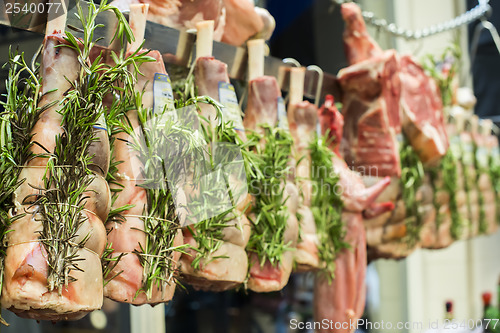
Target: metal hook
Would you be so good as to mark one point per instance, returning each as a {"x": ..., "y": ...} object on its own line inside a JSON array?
[
  {"x": 485, "y": 24},
  {"x": 319, "y": 84},
  {"x": 292, "y": 61}
]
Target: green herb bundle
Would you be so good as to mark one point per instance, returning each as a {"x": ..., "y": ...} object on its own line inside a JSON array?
[
  {"x": 326, "y": 205},
  {"x": 168, "y": 148},
  {"x": 481, "y": 166},
  {"x": 412, "y": 177},
  {"x": 444, "y": 70},
  {"x": 270, "y": 171},
  {"x": 208, "y": 233},
  {"x": 494, "y": 170},
  {"x": 447, "y": 175},
  {"x": 466, "y": 160},
  {"x": 20, "y": 114}
]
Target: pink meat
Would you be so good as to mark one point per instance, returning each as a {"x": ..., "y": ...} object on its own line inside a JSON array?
[
  {"x": 229, "y": 271},
  {"x": 182, "y": 14},
  {"x": 422, "y": 108},
  {"x": 343, "y": 300},
  {"x": 262, "y": 108},
  {"x": 355, "y": 195},
  {"x": 242, "y": 21},
  {"x": 208, "y": 73},
  {"x": 371, "y": 114},
  {"x": 126, "y": 236},
  {"x": 302, "y": 120},
  {"x": 25, "y": 288},
  {"x": 359, "y": 45}
]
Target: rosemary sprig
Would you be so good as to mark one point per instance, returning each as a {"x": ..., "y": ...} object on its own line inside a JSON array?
[
  {"x": 412, "y": 175},
  {"x": 494, "y": 171},
  {"x": 326, "y": 205},
  {"x": 20, "y": 114},
  {"x": 449, "y": 165},
  {"x": 270, "y": 170},
  {"x": 481, "y": 166}
]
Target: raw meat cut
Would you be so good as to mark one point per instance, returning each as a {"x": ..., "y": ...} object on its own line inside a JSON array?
[
  {"x": 343, "y": 300},
  {"x": 127, "y": 236},
  {"x": 371, "y": 92},
  {"x": 226, "y": 267},
  {"x": 32, "y": 285},
  {"x": 182, "y": 14},
  {"x": 358, "y": 44},
  {"x": 422, "y": 109},
  {"x": 208, "y": 73},
  {"x": 242, "y": 21},
  {"x": 302, "y": 119},
  {"x": 262, "y": 109},
  {"x": 384, "y": 96}
]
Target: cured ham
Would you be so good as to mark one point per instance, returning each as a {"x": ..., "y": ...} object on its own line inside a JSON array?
[
  {"x": 342, "y": 300},
  {"x": 131, "y": 279},
  {"x": 302, "y": 120},
  {"x": 225, "y": 267},
  {"x": 277, "y": 229},
  {"x": 53, "y": 258}
]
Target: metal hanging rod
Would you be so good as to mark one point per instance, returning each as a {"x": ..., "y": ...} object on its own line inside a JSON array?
[{"x": 479, "y": 11}]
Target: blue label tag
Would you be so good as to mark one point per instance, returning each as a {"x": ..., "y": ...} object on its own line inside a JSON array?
[{"x": 101, "y": 123}]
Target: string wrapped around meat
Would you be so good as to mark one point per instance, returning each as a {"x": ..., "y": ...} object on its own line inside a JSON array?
[{"x": 53, "y": 258}]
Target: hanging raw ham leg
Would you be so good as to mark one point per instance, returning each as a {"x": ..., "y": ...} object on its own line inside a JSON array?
[
  {"x": 127, "y": 237},
  {"x": 30, "y": 288},
  {"x": 343, "y": 299},
  {"x": 226, "y": 267},
  {"x": 302, "y": 119},
  {"x": 262, "y": 110}
]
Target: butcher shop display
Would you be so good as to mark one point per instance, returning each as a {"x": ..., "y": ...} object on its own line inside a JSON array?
[{"x": 120, "y": 181}]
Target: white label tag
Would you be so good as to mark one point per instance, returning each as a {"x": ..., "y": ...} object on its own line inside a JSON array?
[
  {"x": 163, "y": 95},
  {"x": 282, "y": 117},
  {"x": 231, "y": 110}
]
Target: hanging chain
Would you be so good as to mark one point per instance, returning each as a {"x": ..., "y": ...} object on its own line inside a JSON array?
[{"x": 479, "y": 11}]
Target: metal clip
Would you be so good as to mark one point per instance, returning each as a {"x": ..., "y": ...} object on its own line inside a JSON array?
[{"x": 319, "y": 82}]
